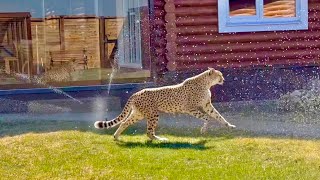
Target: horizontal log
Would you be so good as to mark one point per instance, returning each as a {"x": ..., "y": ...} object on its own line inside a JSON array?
[
  {"x": 313, "y": 14},
  {"x": 245, "y": 64},
  {"x": 159, "y": 22},
  {"x": 314, "y": 6},
  {"x": 314, "y": 1},
  {"x": 194, "y": 30},
  {"x": 159, "y": 12},
  {"x": 193, "y": 3},
  {"x": 198, "y": 11},
  {"x": 253, "y": 56},
  {"x": 213, "y": 29},
  {"x": 248, "y": 37},
  {"x": 196, "y": 21},
  {"x": 246, "y": 47}
]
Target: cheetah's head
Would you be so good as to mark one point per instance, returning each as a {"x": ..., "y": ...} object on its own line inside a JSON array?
[
  {"x": 76, "y": 64},
  {"x": 215, "y": 76}
]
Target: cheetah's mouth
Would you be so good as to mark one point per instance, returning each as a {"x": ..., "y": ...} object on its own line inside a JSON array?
[{"x": 221, "y": 81}]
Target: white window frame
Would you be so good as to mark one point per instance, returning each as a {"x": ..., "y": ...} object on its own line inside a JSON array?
[{"x": 257, "y": 22}]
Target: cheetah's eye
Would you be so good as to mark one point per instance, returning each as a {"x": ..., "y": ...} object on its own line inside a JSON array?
[{"x": 210, "y": 73}]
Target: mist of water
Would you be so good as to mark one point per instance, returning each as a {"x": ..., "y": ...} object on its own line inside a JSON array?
[
  {"x": 110, "y": 79},
  {"x": 39, "y": 82},
  {"x": 113, "y": 71}
]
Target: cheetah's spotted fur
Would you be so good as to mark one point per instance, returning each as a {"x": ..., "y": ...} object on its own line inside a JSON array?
[{"x": 192, "y": 97}]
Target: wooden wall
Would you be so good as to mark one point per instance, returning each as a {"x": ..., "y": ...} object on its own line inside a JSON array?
[
  {"x": 3, "y": 33},
  {"x": 256, "y": 65},
  {"x": 73, "y": 33},
  {"x": 83, "y": 33},
  {"x": 66, "y": 33},
  {"x": 189, "y": 39},
  {"x": 113, "y": 27},
  {"x": 39, "y": 42}
]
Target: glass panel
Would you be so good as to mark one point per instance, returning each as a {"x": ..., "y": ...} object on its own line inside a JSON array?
[
  {"x": 242, "y": 7},
  {"x": 73, "y": 42},
  {"x": 279, "y": 8}
]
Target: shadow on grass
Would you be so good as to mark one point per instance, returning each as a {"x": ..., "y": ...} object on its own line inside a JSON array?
[
  {"x": 18, "y": 127},
  {"x": 200, "y": 145}
]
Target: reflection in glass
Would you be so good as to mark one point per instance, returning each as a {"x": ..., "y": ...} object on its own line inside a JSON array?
[
  {"x": 279, "y": 8},
  {"x": 74, "y": 42},
  {"x": 242, "y": 7}
]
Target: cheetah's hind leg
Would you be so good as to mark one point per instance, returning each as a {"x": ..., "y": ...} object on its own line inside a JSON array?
[
  {"x": 152, "y": 123},
  {"x": 204, "y": 128},
  {"x": 132, "y": 118}
]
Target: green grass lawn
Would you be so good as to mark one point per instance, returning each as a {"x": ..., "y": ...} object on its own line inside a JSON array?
[{"x": 77, "y": 151}]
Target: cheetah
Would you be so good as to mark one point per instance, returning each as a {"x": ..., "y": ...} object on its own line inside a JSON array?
[
  {"x": 61, "y": 73},
  {"x": 192, "y": 97}
]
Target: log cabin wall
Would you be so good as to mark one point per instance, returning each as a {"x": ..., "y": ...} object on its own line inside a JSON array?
[
  {"x": 199, "y": 44},
  {"x": 158, "y": 35},
  {"x": 257, "y": 65}
]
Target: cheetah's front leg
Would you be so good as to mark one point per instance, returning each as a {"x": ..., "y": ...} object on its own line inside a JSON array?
[
  {"x": 200, "y": 115},
  {"x": 216, "y": 115}
]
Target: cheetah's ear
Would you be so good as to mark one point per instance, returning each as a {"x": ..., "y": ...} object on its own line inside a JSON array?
[{"x": 210, "y": 70}]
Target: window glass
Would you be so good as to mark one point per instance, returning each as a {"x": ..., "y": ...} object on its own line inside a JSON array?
[
  {"x": 279, "y": 8},
  {"x": 242, "y": 7}
]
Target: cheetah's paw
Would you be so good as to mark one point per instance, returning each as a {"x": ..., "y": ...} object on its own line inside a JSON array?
[
  {"x": 163, "y": 139},
  {"x": 231, "y": 126}
]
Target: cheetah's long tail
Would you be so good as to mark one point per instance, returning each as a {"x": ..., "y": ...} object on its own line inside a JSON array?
[{"x": 111, "y": 123}]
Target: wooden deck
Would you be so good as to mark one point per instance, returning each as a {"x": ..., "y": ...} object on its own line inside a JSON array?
[{"x": 84, "y": 77}]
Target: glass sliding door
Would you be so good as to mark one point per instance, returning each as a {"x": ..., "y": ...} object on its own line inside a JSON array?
[
  {"x": 75, "y": 42},
  {"x": 130, "y": 40}
]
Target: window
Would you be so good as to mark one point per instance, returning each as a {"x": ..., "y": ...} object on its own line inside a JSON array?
[
  {"x": 130, "y": 39},
  {"x": 262, "y": 15}
]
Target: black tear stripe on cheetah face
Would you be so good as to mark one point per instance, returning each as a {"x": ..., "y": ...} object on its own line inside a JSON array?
[{"x": 192, "y": 97}]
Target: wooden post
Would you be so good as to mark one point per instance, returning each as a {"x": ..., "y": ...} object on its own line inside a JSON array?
[
  {"x": 29, "y": 37},
  {"x": 20, "y": 37},
  {"x": 10, "y": 38},
  {"x": 15, "y": 39},
  {"x": 61, "y": 33},
  {"x": 102, "y": 34}
]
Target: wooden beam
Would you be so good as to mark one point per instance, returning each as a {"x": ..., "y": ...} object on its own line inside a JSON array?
[
  {"x": 61, "y": 32},
  {"x": 19, "y": 33},
  {"x": 15, "y": 15},
  {"x": 103, "y": 63},
  {"x": 29, "y": 37},
  {"x": 10, "y": 35}
]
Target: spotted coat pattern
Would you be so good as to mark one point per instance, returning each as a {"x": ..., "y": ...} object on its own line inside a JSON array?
[
  {"x": 60, "y": 73},
  {"x": 192, "y": 97}
]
